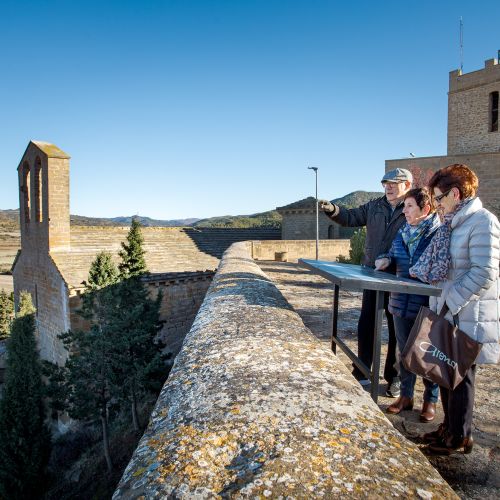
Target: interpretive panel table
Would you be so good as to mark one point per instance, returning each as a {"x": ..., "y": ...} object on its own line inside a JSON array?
[{"x": 359, "y": 278}]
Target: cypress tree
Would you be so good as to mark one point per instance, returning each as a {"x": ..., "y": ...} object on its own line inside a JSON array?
[
  {"x": 89, "y": 376},
  {"x": 24, "y": 437},
  {"x": 6, "y": 313},
  {"x": 138, "y": 359},
  {"x": 132, "y": 254}
]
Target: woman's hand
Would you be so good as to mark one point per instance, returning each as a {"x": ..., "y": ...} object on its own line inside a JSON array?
[{"x": 381, "y": 264}]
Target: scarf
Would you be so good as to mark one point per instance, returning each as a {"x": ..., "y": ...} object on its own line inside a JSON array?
[
  {"x": 411, "y": 234},
  {"x": 433, "y": 264}
]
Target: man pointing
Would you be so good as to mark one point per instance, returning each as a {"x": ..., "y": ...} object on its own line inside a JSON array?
[{"x": 383, "y": 218}]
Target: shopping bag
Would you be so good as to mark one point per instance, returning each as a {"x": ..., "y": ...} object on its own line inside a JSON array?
[{"x": 438, "y": 350}]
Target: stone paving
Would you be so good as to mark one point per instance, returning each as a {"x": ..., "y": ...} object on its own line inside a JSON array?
[{"x": 472, "y": 476}]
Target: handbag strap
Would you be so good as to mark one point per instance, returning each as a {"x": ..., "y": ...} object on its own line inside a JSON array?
[{"x": 443, "y": 312}]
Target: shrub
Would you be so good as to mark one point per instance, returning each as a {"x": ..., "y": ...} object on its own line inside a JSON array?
[{"x": 357, "y": 250}]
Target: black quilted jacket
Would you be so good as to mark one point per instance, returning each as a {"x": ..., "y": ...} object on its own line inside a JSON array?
[{"x": 382, "y": 225}]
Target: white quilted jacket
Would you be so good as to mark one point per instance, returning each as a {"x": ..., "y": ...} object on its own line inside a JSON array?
[{"x": 472, "y": 287}]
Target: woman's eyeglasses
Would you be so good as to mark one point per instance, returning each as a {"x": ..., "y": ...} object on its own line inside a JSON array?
[{"x": 438, "y": 199}]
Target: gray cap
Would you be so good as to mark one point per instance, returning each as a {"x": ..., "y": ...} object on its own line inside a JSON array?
[{"x": 397, "y": 175}]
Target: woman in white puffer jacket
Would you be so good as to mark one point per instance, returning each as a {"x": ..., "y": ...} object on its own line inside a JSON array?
[{"x": 463, "y": 259}]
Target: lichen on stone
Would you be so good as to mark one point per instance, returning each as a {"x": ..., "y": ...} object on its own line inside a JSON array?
[{"x": 255, "y": 407}]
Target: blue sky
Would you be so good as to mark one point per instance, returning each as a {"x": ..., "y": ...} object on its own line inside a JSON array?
[{"x": 178, "y": 108}]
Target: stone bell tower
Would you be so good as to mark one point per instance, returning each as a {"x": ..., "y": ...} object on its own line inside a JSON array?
[{"x": 44, "y": 198}]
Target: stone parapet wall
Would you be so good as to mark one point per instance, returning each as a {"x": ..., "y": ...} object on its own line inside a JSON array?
[
  {"x": 255, "y": 406},
  {"x": 300, "y": 249}
]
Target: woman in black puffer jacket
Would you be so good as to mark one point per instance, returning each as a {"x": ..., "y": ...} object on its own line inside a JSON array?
[{"x": 409, "y": 244}]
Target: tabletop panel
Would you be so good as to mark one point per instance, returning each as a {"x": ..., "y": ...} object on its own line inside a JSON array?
[{"x": 354, "y": 277}]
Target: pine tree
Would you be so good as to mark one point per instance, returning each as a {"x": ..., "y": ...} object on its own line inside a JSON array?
[
  {"x": 24, "y": 438},
  {"x": 138, "y": 359},
  {"x": 88, "y": 373},
  {"x": 132, "y": 254},
  {"x": 6, "y": 313}
]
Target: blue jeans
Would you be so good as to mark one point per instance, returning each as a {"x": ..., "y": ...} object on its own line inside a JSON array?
[{"x": 408, "y": 379}]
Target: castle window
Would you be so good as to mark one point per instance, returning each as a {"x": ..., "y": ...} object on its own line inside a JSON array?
[
  {"x": 38, "y": 191},
  {"x": 25, "y": 190},
  {"x": 494, "y": 112},
  {"x": 331, "y": 232}
]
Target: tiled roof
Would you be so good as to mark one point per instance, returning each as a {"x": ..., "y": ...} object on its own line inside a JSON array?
[{"x": 167, "y": 249}]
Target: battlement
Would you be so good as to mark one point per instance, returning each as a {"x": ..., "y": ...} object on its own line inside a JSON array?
[
  {"x": 473, "y": 110},
  {"x": 464, "y": 81}
]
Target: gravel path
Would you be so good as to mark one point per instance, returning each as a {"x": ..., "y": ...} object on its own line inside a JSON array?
[{"x": 473, "y": 476}]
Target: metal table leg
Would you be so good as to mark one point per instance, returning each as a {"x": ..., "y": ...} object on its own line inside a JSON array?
[
  {"x": 335, "y": 318},
  {"x": 377, "y": 339}
]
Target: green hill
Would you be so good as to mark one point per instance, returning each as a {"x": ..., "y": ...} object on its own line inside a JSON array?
[
  {"x": 263, "y": 219},
  {"x": 357, "y": 198}
]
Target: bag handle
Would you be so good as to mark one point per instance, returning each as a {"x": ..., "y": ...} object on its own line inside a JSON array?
[{"x": 443, "y": 312}]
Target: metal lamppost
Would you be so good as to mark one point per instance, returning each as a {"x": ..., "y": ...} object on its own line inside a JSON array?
[{"x": 317, "y": 216}]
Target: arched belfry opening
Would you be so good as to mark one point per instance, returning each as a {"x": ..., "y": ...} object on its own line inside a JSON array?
[
  {"x": 43, "y": 174},
  {"x": 25, "y": 192},
  {"x": 38, "y": 202}
]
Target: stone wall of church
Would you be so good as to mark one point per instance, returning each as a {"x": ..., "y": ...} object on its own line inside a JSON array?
[
  {"x": 183, "y": 294},
  {"x": 37, "y": 274}
]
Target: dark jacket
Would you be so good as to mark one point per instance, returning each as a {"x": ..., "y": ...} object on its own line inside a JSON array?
[
  {"x": 382, "y": 225},
  {"x": 407, "y": 305}
]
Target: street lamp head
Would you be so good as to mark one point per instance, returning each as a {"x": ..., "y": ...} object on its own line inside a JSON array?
[{"x": 313, "y": 168}]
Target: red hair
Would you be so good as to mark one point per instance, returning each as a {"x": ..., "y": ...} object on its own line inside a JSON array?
[{"x": 455, "y": 176}]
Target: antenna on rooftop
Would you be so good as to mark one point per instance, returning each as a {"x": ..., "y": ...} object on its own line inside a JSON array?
[{"x": 461, "y": 45}]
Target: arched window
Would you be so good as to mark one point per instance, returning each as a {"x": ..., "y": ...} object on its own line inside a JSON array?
[
  {"x": 25, "y": 190},
  {"x": 331, "y": 232},
  {"x": 494, "y": 112},
  {"x": 38, "y": 191}
]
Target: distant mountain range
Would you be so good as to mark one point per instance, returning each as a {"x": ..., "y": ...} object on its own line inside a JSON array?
[
  {"x": 81, "y": 220},
  {"x": 9, "y": 219}
]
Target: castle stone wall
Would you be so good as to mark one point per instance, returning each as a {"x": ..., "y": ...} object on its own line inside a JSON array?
[
  {"x": 485, "y": 165},
  {"x": 256, "y": 407},
  {"x": 301, "y": 225},
  {"x": 469, "y": 111},
  {"x": 300, "y": 249}
]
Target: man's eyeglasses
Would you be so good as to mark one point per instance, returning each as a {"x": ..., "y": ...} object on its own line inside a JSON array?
[{"x": 438, "y": 199}]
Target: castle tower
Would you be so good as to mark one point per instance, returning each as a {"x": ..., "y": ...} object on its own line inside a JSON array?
[
  {"x": 44, "y": 198},
  {"x": 473, "y": 133},
  {"x": 473, "y": 110}
]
